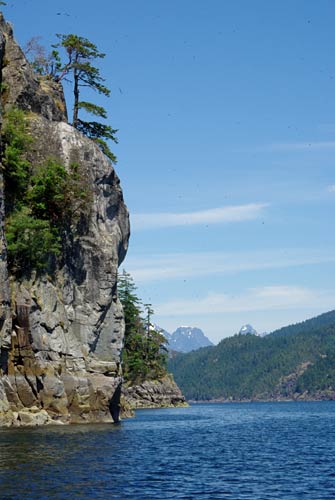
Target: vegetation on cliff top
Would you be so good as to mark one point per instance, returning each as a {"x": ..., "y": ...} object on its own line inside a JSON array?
[
  {"x": 296, "y": 360},
  {"x": 76, "y": 66}
]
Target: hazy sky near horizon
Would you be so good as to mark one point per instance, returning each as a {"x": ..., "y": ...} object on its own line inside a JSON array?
[{"x": 226, "y": 153}]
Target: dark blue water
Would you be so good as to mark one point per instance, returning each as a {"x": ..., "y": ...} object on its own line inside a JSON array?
[{"x": 256, "y": 451}]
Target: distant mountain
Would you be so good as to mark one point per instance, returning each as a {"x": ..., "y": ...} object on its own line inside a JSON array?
[
  {"x": 248, "y": 329},
  {"x": 185, "y": 338},
  {"x": 295, "y": 362}
]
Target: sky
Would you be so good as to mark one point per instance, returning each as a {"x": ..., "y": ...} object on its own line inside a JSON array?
[{"x": 225, "y": 113}]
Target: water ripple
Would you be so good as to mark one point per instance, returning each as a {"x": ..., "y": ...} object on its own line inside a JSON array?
[{"x": 256, "y": 451}]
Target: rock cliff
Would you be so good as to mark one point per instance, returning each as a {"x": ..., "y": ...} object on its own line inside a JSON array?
[
  {"x": 61, "y": 335},
  {"x": 161, "y": 393}
]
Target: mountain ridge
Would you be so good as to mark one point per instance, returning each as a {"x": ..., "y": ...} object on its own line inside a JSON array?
[
  {"x": 185, "y": 339},
  {"x": 294, "y": 362}
]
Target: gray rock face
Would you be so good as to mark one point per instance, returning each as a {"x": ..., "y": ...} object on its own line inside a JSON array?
[
  {"x": 5, "y": 323},
  {"x": 61, "y": 336},
  {"x": 153, "y": 394},
  {"x": 22, "y": 85}
]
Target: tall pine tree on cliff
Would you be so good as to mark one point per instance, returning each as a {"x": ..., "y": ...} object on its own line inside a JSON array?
[
  {"x": 79, "y": 69},
  {"x": 81, "y": 53}
]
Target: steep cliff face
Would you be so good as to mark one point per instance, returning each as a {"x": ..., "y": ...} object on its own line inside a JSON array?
[{"x": 61, "y": 335}]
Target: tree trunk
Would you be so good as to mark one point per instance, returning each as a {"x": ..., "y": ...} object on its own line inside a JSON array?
[{"x": 76, "y": 99}]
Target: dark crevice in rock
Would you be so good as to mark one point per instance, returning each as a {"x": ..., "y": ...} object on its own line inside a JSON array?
[
  {"x": 4, "y": 355},
  {"x": 102, "y": 317},
  {"x": 112, "y": 211},
  {"x": 107, "y": 180},
  {"x": 31, "y": 385},
  {"x": 114, "y": 404},
  {"x": 39, "y": 385},
  {"x": 48, "y": 328}
]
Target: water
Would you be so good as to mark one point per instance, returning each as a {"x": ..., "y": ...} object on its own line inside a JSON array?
[{"x": 256, "y": 451}]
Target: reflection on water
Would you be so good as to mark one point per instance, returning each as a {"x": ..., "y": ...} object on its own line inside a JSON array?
[{"x": 255, "y": 451}]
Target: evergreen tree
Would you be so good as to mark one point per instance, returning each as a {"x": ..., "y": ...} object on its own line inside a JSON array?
[
  {"x": 16, "y": 142},
  {"x": 79, "y": 68},
  {"x": 130, "y": 303},
  {"x": 81, "y": 53},
  {"x": 133, "y": 362},
  {"x": 143, "y": 354}
]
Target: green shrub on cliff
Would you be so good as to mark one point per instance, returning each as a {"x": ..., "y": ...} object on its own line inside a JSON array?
[
  {"x": 42, "y": 201},
  {"x": 16, "y": 142},
  {"x": 30, "y": 241},
  {"x": 58, "y": 194},
  {"x": 46, "y": 193}
]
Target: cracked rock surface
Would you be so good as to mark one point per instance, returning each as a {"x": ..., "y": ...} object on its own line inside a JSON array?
[
  {"x": 161, "y": 393},
  {"x": 61, "y": 336}
]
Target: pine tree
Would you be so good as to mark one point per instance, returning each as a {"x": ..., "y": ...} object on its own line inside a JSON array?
[
  {"x": 131, "y": 304},
  {"x": 143, "y": 355},
  {"x": 79, "y": 68}
]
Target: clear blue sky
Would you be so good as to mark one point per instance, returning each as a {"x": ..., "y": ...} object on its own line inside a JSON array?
[{"x": 226, "y": 118}]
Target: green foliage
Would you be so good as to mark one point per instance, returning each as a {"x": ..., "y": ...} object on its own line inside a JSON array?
[
  {"x": 326, "y": 319},
  {"x": 45, "y": 64},
  {"x": 47, "y": 192},
  {"x": 105, "y": 149},
  {"x": 30, "y": 241},
  {"x": 144, "y": 356},
  {"x": 4, "y": 87},
  {"x": 93, "y": 109},
  {"x": 81, "y": 54},
  {"x": 56, "y": 194},
  {"x": 95, "y": 131},
  {"x": 42, "y": 202},
  {"x": 77, "y": 67},
  {"x": 16, "y": 142},
  {"x": 77, "y": 193},
  {"x": 318, "y": 377},
  {"x": 286, "y": 363}
]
